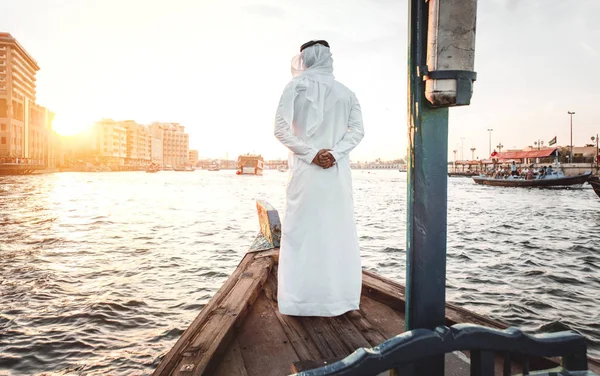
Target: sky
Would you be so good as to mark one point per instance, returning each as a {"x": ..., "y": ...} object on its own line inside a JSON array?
[{"x": 218, "y": 68}]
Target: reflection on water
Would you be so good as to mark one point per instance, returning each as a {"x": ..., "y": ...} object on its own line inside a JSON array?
[{"x": 101, "y": 272}]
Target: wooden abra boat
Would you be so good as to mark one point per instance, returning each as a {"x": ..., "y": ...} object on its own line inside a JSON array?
[
  {"x": 250, "y": 164},
  {"x": 596, "y": 185},
  {"x": 241, "y": 332},
  {"x": 545, "y": 182}
]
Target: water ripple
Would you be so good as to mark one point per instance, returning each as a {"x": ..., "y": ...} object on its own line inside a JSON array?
[{"x": 101, "y": 273}]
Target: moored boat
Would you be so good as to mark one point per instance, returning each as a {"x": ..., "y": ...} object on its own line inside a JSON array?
[
  {"x": 548, "y": 181},
  {"x": 595, "y": 183},
  {"x": 214, "y": 167},
  {"x": 153, "y": 168},
  {"x": 250, "y": 165},
  {"x": 241, "y": 332}
]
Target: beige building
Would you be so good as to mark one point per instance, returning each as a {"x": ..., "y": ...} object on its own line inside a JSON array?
[
  {"x": 175, "y": 143},
  {"x": 193, "y": 158},
  {"x": 25, "y": 127},
  {"x": 111, "y": 142},
  {"x": 139, "y": 146},
  {"x": 156, "y": 143}
]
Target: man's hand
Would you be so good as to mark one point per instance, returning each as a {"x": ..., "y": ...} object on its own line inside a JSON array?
[
  {"x": 324, "y": 158},
  {"x": 327, "y": 159}
]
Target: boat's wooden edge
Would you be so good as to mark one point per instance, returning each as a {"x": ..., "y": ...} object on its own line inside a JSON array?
[
  {"x": 206, "y": 339},
  {"x": 265, "y": 256},
  {"x": 230, "y": 304},
  {"x": 216, "y": 335},
  {"x": 392, "y": 294}
]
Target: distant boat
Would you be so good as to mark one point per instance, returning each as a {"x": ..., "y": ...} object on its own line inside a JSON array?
[
  {"x": 153, "y": 168},
  {"x": 282, "y": 168},
  {"x": 184, "y": 168},
  {"x": 168, "y": 168},
  {"x": 250, "y": 165},
  {"x": 214, "y": 167},
  {"x": 549, "y": 181},
  {"x": 595, "y": 182}
]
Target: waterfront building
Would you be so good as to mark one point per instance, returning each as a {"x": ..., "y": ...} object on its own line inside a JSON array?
[
  {"x": 25, "y": 126},
  {"x": 276, "y": 163},
  {"x": 175, "y": 143},
  {"x": 110, "y": 142},
  {"x": 138, "y": 146},
  {"x": 193, "y": 157},
  {"x": 156, "y": 143}
]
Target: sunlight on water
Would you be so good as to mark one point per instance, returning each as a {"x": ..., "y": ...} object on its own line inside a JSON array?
[{"x": 101, "y": 272}]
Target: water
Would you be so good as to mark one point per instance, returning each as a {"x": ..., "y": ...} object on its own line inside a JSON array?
[{"x": 100, "y": 273}]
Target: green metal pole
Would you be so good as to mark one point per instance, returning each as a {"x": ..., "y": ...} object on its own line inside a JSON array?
[{"x": 427, "y": 194}]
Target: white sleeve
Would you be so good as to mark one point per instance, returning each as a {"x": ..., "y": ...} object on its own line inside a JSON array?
[
  {"x": 284, "y": 133},
  {"x": 354, "y": 134}
]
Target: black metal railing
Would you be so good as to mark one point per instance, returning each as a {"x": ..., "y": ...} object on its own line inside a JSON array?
[{"x": 406, "y": 351}]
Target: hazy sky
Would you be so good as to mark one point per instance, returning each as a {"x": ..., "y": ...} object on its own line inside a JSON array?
[{"x": 218, "y": 67}]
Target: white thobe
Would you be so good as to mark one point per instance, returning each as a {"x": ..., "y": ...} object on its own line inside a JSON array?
[{"x": 319, "y": 263}]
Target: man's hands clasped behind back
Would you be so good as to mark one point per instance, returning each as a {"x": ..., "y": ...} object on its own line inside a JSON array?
[{"x": 324, "y": 158}]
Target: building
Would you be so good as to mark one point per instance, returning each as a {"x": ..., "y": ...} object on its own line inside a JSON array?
[
  {"x": 175, "y": 143},
  {"x": 193, "y": 157},
  {"x": 25, "y": 127},
  {"x": 110, "y": 138},
  {"x": 138, "y": 146},
  {"x": 276, "y": 163},
  {"x": 156, "y": 143}
]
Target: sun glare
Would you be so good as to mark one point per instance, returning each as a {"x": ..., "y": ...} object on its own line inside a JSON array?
[{"x": 68, "y": 127}]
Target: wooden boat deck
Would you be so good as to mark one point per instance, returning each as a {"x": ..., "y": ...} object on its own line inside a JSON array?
[{"x": 241, "y": 332}]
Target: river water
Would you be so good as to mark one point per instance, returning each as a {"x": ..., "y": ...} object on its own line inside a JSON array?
[{"x": 100, "y": 273}]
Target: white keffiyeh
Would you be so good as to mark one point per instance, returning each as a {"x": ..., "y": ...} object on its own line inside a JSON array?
[{"x": 313, "y": 76}]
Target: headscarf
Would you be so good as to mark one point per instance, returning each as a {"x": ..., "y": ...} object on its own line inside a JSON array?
[{"x": 312, "y": 69}]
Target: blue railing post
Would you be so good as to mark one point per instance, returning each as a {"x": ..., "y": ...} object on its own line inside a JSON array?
[{"x": 427, "y": 194}]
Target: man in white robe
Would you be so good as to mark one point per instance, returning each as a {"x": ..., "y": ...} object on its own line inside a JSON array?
[{"x": 319, "y": 120}]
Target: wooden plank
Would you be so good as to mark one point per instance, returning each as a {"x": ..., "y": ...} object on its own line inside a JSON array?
[
  {"x": 372, "y": 335},
  {"x": 206, "y": 348},
  {"x": 306, "y": 365},
  {"x": 232, "y": 363},
  {"x": 348, "y": 333},
  {"x": 383, "y": 290},
  {"x": 270, "y": 287},
  {"x": 265, "y": 348},
  {"x": 274, "y": 253},
  {"x": 293, "y": 329},
  {"x": 167, "y": 364},
  {"x": 392, "y": 294},
  {"x": 325, "y": 337},
  {"x": 386, "y": 320}
]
